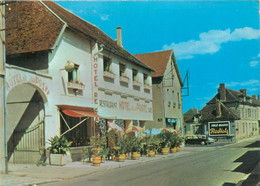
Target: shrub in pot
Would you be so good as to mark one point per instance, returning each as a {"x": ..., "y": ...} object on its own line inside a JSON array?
[
  {"x": 98, "y": 143},
  {"x": 173, "y": 142},
  {"x": 58, "y": 149},
  {"x": 164, "y": 136},
  {"x": 136, "y": 147},
  {"x": 179, "y": 141}
]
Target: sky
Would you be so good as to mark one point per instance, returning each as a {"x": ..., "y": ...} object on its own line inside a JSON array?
[{"x": 216, "y": 41}]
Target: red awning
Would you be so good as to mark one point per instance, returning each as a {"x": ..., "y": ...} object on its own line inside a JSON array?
[{"x": 76, "y": 111}]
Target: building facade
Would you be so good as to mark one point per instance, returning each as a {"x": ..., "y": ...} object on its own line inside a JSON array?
[
  {"x": 64, "y": 78},
  {"x": 231, "y": 115},
  {"x": 166, "y": 86},
  {"x": 192, "y": 121}
]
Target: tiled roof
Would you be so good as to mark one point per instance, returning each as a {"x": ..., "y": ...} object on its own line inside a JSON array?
[
  {"x": 209, "y": 113},
  {"x": 158, "y": 61},
  {"x": 234, "y": 96},
  {"x": 189, "y": 115},
  {"x": 38, "y": 28},
  {"x": 30, "y": 27}
]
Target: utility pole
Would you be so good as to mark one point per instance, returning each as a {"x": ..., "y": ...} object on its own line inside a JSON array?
[{"x": 3, "y": 119}]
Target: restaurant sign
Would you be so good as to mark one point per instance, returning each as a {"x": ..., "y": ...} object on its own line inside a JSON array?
[{"x": 221, "y": 128}]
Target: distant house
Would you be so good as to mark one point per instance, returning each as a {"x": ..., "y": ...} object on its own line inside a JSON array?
[
  {"x": 67, "y": 77},
  {"x": 192, "y": 123},
  {"x": 231, "y": 115},
  {"x": 167, "y": 94}
]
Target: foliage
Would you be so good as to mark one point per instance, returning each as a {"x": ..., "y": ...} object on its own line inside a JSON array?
[
  {"x": 164, "y": 137},
  {"x": 59, "y": 145},
  {"x": 41, "y": 163},
  {"x": 179, "y": 140},
  {"x": 98, "y": 141},
  {"x": 136, "y": 145},
  {"x": 88, "y": 152},
  {"x": 105, "y": 153},
  {"x": 173, "y": 140}
]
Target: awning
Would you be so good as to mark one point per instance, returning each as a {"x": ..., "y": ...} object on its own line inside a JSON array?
[{"x": 76, "y": 111}]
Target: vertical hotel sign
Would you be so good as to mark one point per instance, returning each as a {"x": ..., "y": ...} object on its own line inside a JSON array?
[{"x": 95, "y": 80}]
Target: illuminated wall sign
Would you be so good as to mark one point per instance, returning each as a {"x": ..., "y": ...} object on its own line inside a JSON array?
[{"x": 221, "y": 128}]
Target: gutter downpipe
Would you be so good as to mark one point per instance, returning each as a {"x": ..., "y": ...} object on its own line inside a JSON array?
[{"x": 4, "y": 87}]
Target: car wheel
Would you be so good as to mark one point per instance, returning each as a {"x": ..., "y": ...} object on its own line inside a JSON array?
[{"x": 202, "y": 143}]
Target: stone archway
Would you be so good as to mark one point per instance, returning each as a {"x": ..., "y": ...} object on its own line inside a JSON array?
[{"x": 25, "y": 124}]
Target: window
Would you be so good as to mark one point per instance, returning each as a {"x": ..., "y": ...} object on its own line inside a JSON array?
[
  {"x": 168, "y": 97},
  {"x": 249, "y": 113},
  {"x": 179, "y": 103},
  {"x": 146, "y": 79},
  {"x": 107, "y": 64},
  {"x": 122, "y": 70},
  {"x": 73, "y": 74},
  {"x": 135, "y": 75}
]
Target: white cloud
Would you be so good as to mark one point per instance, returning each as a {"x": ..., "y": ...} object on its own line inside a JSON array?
[
  {"x": 104, "y": 17},
  {"x": 249, "y": 83},
  {"x": 210, "y": 42},
  {"x": 254, "y": 63}
]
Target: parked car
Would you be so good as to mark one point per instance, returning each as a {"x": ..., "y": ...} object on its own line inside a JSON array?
[{"x": 199, "y": 139}]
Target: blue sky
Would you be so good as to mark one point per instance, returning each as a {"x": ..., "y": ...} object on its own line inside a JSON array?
[{"x": 217, "y": 41}]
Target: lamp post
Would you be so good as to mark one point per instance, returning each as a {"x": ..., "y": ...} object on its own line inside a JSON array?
[{"x": 3, "y": 119}]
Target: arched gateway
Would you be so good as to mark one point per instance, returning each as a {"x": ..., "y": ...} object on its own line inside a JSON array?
[{"x": 25, "y": 122}]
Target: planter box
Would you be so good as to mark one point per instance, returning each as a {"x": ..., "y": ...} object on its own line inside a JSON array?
[
  {"x": 137, "y": 84},
  {"x": 76, "y": 86},
  {"x": 58, "y": 159},
  {"x": 124, "y": 79},
  {"x": 109, "y": 75}
]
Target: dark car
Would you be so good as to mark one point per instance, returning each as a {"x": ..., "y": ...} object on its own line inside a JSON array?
[{"x": 198, "y": 139}]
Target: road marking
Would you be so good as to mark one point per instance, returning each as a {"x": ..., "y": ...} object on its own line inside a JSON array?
[{"x": 255, "y": 148}]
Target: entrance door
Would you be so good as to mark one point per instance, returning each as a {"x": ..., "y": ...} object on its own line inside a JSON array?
[{"x": 26, "y": 115}]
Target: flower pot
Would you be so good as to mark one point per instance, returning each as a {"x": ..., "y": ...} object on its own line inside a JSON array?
[
  {"x": 173, "y": 150},
  {"x": 165, "y": 151},
  {"x": 121, "y": 158},
  {"x": 151, "y": 153},
  {"x": 96, "y": 160},
  {"x": 135, "y": 155},
  {"x": 58, "y": 159},
  {"x": 178, "y": 149}
]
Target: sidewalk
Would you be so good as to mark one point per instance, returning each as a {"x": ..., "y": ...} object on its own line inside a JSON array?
[{"x": 30, "y": 174}]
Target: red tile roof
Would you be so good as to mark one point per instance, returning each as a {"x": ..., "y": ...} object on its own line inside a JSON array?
[
  {"x": 156, "y": 60},
  {"x": 30, "y": 27},
  {"x": 34, "y": 27}
]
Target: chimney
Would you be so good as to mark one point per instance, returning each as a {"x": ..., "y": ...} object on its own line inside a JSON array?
[
  {"x": 254, "y": 97},
  {"x": 119, "y": 37},
  {"x": 243, "y": 91},
  {"x": 218, "y": 109},
  {"x": 222, "y": 91}
]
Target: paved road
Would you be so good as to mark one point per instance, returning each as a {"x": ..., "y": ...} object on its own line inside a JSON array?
[{"x": 218, "y": 166}]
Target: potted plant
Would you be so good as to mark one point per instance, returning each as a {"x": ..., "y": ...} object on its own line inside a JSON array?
[
  {"x": 179, "y": 142},
  {"x": 136, "y": 148},
  {"x": 173, "y": 143},
  {"x": 121, "y": 143},
  {"x": 129, "y": 145},
  {"x": 97, "y": 143},
  {"x": 148, "y": 140},
  {"x": 164, "y": 136},
  {"x": 88, "y": 153},
  {"x": 58, "y": 149},
  {"x": 104, "y": 154}
]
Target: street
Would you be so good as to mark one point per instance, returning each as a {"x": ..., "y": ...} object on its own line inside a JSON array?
[{"x": 223, "y": 165}]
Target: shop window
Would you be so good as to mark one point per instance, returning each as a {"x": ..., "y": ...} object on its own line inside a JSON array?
[
  {"x": 135, "y": 75},
  {"x": 73, "y": 74},
  {"x": 122, "y": 70},
  {"x": 107, "y": 64}
]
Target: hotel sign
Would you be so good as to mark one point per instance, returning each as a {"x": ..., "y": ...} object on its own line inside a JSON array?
[{"x": 221, "y": 128}]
